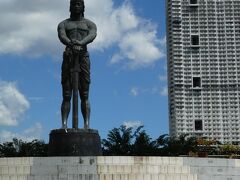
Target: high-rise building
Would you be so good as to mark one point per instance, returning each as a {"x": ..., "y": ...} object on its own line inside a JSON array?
[{"x": 203, "y": 42}]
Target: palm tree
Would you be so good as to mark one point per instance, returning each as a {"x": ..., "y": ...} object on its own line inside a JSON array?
[
  {"x": 125, "y": 141},
  {"x": 118, "y": 141},
  {"x": 143, "y": 145},
  {"x": 181, "y": 145},
  {"x": 160, "y": 143}
]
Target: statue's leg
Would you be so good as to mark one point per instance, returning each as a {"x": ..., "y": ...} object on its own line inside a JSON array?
[
  {"x": 66, "y": 89},
  {"x": 65, "y": 108},
  {"x": 85, "y": 105},
  {"x": 84, "y": 82}
]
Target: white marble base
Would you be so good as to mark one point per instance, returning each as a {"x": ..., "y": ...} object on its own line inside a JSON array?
[{"x": 119, "y": 168}]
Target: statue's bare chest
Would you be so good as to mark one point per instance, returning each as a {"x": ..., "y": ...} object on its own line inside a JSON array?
[
  {"x": 74, "y": 28},
  {"x": 73, "y": 25}
]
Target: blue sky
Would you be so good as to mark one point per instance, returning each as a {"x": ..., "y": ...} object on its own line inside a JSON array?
[{"x": 128, "y": 66}]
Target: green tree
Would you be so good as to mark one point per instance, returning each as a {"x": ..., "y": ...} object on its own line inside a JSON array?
[
  {"x": 118, "y": 141},
  {"x": 160, "y": 143},
  {"x": 181, "y": 145},
  {"x": 36, "y": 148},
  {"x": 20, "y": 148},
  {"x": 143, "y": 145},
  {"x": 126, "y": 141},
  {"x": 8, "y": 149}
]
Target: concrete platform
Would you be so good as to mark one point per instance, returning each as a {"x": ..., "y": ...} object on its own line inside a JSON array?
[
  {"x": 119, "y": 168},
  {"x": 74, "y": 142}
]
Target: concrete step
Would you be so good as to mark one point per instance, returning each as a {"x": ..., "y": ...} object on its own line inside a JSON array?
[
  {"x": 216, "y": 171},
  {"x": 146, "y": 169},
  {"x": 93, "y": 169},
  {"x": 16, "y": 161},
  {"x": 21, "y": 170},
  {"x": 217, "y": 177},
  {"x": 148, "y": 160},
  {"x": 102, "y": 177},
  {"x": 45, "y": 170},
  {"x": 125, "y": 160},
  {"x": 209, "y": 162},
  {"x": 147, "y": 177},
  {"x": 49, "y": 161},
  {"x": 51, "y": 177}
]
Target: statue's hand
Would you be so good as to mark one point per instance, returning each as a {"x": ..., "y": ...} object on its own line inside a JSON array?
[
  {"x": 73, "y": 44},
  {"x": 70, "y": 45},
  {"x": 77, "y": 48},
  {"x": 76, "y": 42}
]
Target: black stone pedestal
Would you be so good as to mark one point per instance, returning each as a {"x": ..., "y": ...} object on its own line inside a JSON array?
[{"x": 74, "y": 142}]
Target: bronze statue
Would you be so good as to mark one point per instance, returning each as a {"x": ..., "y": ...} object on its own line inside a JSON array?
[{"x": 76, "y": 32}]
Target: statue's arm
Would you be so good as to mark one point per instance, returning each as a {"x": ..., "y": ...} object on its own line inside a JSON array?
[
  {"x": 92, "y": 34},
  {"x": 62, "y": 34}
]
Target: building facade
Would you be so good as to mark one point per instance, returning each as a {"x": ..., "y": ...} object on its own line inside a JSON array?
[{"x": 203, "y": 43}]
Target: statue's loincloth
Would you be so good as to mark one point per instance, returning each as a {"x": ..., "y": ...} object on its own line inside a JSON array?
[{"x": 67, "y": 66}]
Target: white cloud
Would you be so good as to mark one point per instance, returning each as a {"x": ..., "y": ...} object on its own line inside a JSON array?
[
  {"x": 13, "y": 104},
  {"x": 140, "y": 47},
  {"x": 164, "y": 91},
  {"x": 33, "y": 131},
  {"x": 112, "y": 22},
  {"x": 29, "y": 27},
  {"x": 29, "y": 134},
  {"x": 132, "y": 124},
  {"x": 134, "y": 91},
  {"x": 163, "y": 77}
]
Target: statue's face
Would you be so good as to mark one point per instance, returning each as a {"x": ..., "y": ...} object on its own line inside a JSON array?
[{"x": 77, "y": 6}]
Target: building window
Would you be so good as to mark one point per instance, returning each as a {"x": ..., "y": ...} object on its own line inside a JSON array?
[
  {"x": 193, "y": 2},
  {"x": 198, "y": 125},
  {"x": 196, "y": 82},
  {"x": 177, "y": 20},
  {"x": 195, "y": 40}
]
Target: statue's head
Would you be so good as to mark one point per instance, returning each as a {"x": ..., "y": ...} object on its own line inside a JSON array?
[{"x": 77, "y": 7}]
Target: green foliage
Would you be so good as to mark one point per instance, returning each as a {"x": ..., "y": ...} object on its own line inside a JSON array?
[
  {"x": 209, "y": 146},
  {"x": 19, "y": 148},
  {"x": 229, "y": 149},
  {"x": 175, "y": 146},
  {"x": 125, "y": 141},
  {"x": 118, "y": 142},
  {"x": 143, "y": 144},
  {"x": 8, "y": 150}
]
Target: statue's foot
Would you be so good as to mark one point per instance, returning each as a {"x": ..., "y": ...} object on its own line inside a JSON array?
[{"x": 86, "y": 127}]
